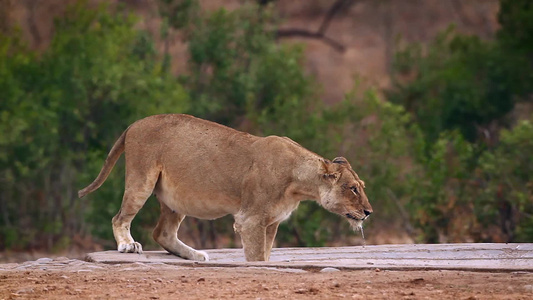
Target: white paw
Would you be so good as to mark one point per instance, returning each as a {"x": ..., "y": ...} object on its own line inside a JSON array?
[
  {"x": 200, "y": 256},
  {"x": 130, "y": 248}
]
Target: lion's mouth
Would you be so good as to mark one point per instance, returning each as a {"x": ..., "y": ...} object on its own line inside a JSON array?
[{"x": 350, "y": 216}]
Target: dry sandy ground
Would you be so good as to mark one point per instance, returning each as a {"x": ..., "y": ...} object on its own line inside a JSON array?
[{"x": 68, "y": 278}]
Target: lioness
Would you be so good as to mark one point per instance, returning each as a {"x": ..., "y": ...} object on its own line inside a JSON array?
[{"x": 205, "y": 170}]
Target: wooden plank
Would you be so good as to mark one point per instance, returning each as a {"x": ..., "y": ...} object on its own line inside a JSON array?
[{"x": 482, "y": 257}]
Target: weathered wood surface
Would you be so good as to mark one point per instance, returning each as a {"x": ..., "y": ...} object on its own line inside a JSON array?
[{"x": 473, "y": 257}]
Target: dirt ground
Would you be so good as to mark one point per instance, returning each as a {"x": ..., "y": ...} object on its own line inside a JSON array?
[{"x": 69, "y": 278}]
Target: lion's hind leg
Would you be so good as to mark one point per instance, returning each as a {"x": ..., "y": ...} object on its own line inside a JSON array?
[
  {"x": 166, "y": 235},
  {"x": 138, "y": 188}
]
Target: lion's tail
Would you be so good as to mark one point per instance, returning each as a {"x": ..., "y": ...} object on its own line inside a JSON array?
[{"x": 110, "y": 162}]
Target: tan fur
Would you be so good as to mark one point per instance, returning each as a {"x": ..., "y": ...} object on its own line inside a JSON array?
[{"x": 205, "y": 170}]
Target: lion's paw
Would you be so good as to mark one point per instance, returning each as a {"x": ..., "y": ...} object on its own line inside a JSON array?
[
  {"x": 200, "y": 256},
  {"x": 130, "y": 248}
]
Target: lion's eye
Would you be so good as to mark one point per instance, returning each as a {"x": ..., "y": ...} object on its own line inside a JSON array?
[{"x": 354, "y": 190}]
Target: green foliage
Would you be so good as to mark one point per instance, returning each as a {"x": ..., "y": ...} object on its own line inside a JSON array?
[
  {"x": 515, "y": 18},
  {"x": 60, "y": 113},
  {"x": 440, "y": 203},
  {"x": 515, "y": 38},
  {"x": 508, "y": 194},
  {"x": 420, "y": 153},
  {"x": 460, "y": 82},
  {"x": 238, "y": 69},
  {"x": 459, "y": 91},
  {"x": 177, "y": 14}
]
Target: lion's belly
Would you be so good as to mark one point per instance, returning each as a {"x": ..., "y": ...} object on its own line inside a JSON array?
[
  {"x": 201, "y": 206},
  {"x": 192, "y": 201}
]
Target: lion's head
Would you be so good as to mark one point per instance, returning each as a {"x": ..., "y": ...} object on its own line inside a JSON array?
[{"x": 343, "y": 192}]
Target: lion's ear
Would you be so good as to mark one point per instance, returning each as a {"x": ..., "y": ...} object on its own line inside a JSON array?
[{"x": 341, "y": 160}]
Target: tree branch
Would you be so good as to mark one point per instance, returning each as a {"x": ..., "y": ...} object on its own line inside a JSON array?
[
  {"x": 331, "y": 13},
  {"x": 288, "y": 33},
  {"x": 321, "y": 33}
]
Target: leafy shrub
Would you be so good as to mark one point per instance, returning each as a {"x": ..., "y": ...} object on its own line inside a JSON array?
[
  {"x": 456, "y": 82},
  {"x": 61, "y": 112},
  {"x": 507, "y": 199},
  {"x": 470, "y": 185}
]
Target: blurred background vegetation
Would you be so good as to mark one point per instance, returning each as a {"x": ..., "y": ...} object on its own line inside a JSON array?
[{"x": 445, "y": 146}]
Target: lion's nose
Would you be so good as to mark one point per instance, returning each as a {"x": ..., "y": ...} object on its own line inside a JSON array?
[{"x": 367, "y": 212}]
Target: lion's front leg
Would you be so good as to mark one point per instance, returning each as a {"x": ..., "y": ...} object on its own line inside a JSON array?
[
  {"x": 271, "y": 231},
  {"x": 253, "y": 236}
]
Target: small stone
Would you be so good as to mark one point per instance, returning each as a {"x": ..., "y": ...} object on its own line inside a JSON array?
[
  {"x": 377, "y": 270},
  {"x": 139, "y": 264},
  {"x": 417, "y": 280},
  {"x": 329, "y": 270},
  {"x": 24, "y": 291},
  {"x": 312, "y": 290},
  {"x": 94, "y": 267},
  {"x": 286, "y": 270},
  {"x": 44, "y": 260},
  {"x": 528, "y": 288},
  {"x": 520, "y": 273},
  {"x": 76, "y": 262},
  {"x": 61, "y": 258},
  {"x": 201, "y": 279}
]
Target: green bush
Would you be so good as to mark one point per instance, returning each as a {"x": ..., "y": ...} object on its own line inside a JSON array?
[
  {"x": 439, "y": 199},
  {"x": 60, "y": 113},
  {"x": 237, "y": 67},
  {"x": 507, "y": 198},
  {"x": 471, "y": 184},
  {"x": 421, "y": 154},
  {"x": 460, "y": 82}
]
